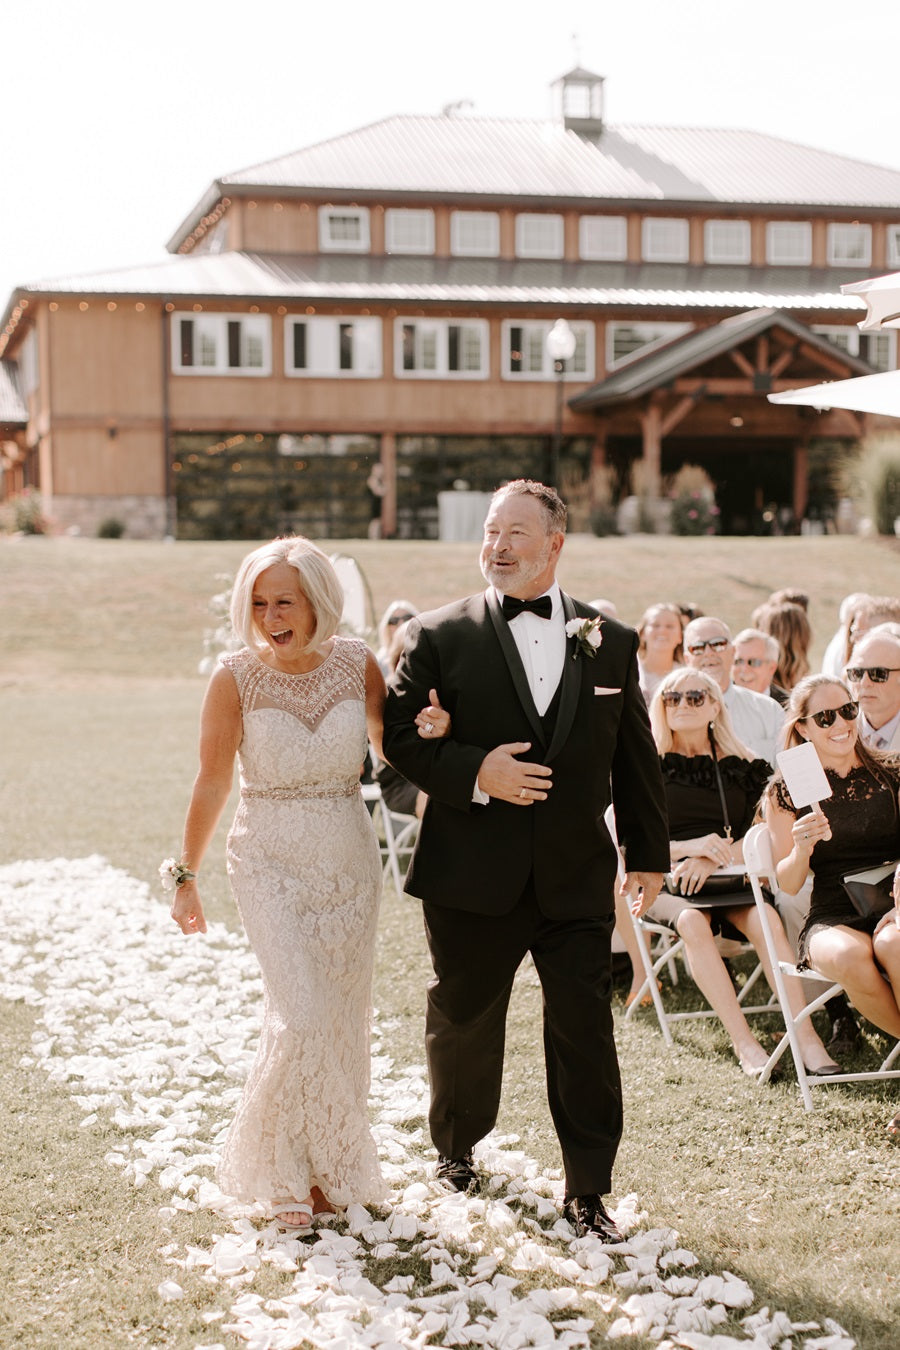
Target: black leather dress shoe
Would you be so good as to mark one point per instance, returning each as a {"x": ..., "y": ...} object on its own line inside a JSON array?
[
  {"x": 458, "y": 1174},
  {"x": 587, "y": 1214}
]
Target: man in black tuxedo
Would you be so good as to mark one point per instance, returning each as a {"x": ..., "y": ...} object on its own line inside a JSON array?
[{"x": 513, "y": 854}]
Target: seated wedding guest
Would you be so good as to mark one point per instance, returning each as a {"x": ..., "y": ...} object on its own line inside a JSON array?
[
  {"x": 871, "y": 612},
  {"x": 837, "y": 652},
  {"x": 399, "y": 794},
  {"x": 397, "y": 612},
  {"x": 660, "y": 649},
  {"x": 713, "y": 785},
  {"x": 755, "y": 661},
  {"x": 873, "y": 674},
  {"x": 856, "y": 828},
  {"x": 607, "y": 608},
  {"x": 689, "y": 610},
  {"x": 756, "y": 718},
  {"x": 789, "y": 625}
]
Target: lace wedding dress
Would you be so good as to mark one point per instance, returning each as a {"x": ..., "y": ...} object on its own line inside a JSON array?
[{"x": 306, "y": 875}]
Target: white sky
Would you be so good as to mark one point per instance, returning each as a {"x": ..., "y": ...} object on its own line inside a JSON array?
[{"x": 117, "y": 114}]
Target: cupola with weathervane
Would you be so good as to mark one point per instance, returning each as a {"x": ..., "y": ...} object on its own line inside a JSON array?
[{"x": 579, "y": 102}]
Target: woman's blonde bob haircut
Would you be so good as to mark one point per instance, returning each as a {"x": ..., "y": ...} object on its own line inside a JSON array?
[
  {"x": 686, "y": 678},
  {"x": 316, "y": 578}
]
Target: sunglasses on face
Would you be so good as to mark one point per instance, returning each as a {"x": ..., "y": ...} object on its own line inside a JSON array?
[
  {"x": 715, "y": 644},
  {"x": 877, "y": 674},
  {"x": 828, "y": 716},
  {"x": 694, "y": 698},
  {"x": 753, "y": 661},
  {"x": 398, "y": 618}
]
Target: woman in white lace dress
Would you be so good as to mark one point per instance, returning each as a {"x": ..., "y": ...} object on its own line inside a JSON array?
[{"x": 296, "y": 706}]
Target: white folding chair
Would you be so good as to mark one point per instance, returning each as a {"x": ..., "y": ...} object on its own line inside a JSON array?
[
  {"x": 397, "y": 833},
  {"x": 669, "y": 946},
  {"x": 760, "y": 868}
]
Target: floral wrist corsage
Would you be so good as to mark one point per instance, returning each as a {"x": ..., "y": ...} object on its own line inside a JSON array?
[
  {"x": 173, "y": 874},
  {"x": 587, "y": 632}
]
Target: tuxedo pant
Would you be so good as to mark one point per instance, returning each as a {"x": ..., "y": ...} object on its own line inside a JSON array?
[{"x": 475, "y": 958}]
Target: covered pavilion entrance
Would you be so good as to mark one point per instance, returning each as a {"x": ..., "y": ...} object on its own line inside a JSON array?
[{"x": 702, "y": 399}]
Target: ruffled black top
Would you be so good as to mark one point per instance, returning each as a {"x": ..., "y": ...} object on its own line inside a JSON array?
[{"x": 692, "y": 794}]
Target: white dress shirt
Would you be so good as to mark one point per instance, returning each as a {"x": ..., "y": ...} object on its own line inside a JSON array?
[
  {"x": 756, "y": 718},
  {"x": 881, "y": 739},
  {"x": 541, "y": 643}
]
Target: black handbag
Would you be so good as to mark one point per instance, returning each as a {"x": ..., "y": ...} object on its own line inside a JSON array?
[
  {"x": 871, "y": 891},
  {"x": 717, "y": 889}
]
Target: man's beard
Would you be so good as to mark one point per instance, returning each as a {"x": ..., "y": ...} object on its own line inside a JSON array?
[{"x": 520, "y": 575}]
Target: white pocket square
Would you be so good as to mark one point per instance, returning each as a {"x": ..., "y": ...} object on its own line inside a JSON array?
[{"x": 605, "y": 689}]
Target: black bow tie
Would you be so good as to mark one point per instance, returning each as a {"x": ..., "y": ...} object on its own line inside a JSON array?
[{"x": 542, "y": 607}]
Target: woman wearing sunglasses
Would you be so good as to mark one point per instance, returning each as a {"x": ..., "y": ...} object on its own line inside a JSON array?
[
  {"x": 703, "y": 763},
  {"x": 857, "y": 827}
]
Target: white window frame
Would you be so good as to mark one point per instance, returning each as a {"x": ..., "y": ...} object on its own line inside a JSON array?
[
  {"x": 893, "y": 245},
  {"x": 530, "y": 223},
  {"x": 212, "y": 328},
  {"x": 654, "y": 247},
  {"x": 839, "y": 231},
  {"x": 613, "y": 242},
  {"x": 656, "y": 335},
  {"x": 488, "y": 221},
  {"x": 422, "y": 218},
  {"x": 29, "y": 363},
  {"x": 580, "y": 368},
  {"x": 848, "y": 337},
  {"x": 780, "y": 232},
  {"x": 327, "y": 241},
  {"x": 726, "y": 241},
  {"x": 436, "y": 332},
  {"x": 323, "y": 346}
]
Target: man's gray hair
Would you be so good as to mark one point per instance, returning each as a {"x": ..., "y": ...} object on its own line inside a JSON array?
[
  {"x": 553, "y": 507},
  {"x": 773, "y": 651},
  {"x": 705, "y": 618}
]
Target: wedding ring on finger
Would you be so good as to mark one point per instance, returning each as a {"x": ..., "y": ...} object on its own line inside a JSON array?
[{"x": 522, "y": 793}]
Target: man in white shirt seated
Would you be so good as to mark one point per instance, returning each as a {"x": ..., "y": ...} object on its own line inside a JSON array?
[
  {"x": 873, "y": 673},
  {"x": 756, "y": 718},
  {"x": 755, "y": 661}
]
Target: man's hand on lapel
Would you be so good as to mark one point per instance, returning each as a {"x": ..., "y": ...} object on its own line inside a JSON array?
[
  {"x": 640, "y": 889},
  {"x": 503, "y": 776}
]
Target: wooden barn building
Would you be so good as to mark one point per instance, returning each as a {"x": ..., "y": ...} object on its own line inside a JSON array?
[{"x": 357, "y": 329}]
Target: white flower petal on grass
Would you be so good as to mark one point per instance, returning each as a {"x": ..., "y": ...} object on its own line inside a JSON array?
[
  {"x": 154, "y": 1037},
  {"x": 169, "y": 1291}
]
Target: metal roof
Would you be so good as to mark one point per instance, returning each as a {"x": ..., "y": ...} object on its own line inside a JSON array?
[
  {"x": 12, "y": 407},
  {"x": 643, "y": 374},
  {"x": 348, "y": 278},
  {"x": 498, "y": 157}
]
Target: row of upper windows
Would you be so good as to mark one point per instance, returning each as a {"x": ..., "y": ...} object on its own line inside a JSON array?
[
  {"x": 600, "y": 238},
  {"x": 350, "y": 346}
]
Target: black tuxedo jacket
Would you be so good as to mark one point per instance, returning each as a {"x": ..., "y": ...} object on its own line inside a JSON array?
[{"x": 479, "y": 858}]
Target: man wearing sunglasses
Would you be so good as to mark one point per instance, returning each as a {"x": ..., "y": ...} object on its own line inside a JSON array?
[
  {"x": 756, "y": 718},
  {"x": 755, "y": 661},
  {"x": 873, "y": 673}
]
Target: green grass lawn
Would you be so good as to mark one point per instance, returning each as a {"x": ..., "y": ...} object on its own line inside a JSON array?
[{"x": 99, "y": 700}]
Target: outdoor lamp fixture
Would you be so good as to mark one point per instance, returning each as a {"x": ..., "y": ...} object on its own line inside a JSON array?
[{"x": 560, "y": 349}]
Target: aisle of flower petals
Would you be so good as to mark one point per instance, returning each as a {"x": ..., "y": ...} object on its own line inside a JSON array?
[{"x": 155, "y": 1033}]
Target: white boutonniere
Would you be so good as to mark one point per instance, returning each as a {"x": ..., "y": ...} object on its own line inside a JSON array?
[
  {"x": 173, "y": 874},
  {"x": 587, "y": 633}
]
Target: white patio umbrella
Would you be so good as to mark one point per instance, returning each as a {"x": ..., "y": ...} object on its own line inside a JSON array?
[
  {"x": 864, "y": 393},
  {"x": 882, "y": 300}
]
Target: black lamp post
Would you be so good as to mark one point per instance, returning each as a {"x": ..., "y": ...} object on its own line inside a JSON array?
[{"x": 560, "y": 349}]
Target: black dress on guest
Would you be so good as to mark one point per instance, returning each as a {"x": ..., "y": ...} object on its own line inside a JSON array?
[
  {"x": 695, "y": 807},
  {"x": 865, "y": 830}
]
